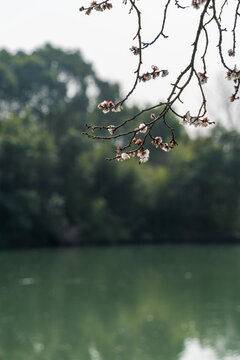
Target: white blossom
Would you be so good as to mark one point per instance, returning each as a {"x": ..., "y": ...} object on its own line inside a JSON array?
[
  {"x": 143, "y": 155},
  {"x": 111, "y": 129},
  {"x": 117, "y": 108},
  {"x": 125, "y": 156},
  {"x": 143, "y": 128}
]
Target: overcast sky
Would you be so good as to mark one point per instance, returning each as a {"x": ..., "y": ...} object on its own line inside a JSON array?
[{"x": 105, "y": 38}]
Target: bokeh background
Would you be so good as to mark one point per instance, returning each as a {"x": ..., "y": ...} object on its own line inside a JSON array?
[{"x": 61, "y": 298}]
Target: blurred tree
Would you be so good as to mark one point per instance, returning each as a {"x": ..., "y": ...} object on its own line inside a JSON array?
[
  {"x": 205, "y": 188},
  {"x": 56, "y": 187},
  {"x": 57, "y": 86},
  {"x": 28, "y": 158}
]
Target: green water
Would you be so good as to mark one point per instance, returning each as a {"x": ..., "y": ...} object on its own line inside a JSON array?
[{"x": 128, "y": 303}]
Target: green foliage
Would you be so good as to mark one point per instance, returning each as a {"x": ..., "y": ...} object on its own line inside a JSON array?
[
  {"x": 27, "y": 161},
  {"x": 56, "y": 186},
  {"x": 52, "y": 83},
  {"x": 208, "y": 180}
]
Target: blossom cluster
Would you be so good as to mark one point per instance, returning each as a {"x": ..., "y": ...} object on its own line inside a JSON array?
[
  {"x": 196, "y": 3},
  {"x": 141, "y": 153},
  {"x": 153, "y": 75},
  {"x": 135, "y": 50},
  {"x": 142, "y": 128},
  {"x": 157, "y": 142},
  {"x": 196, "y": 120},
  {"x": 230, "y": 52},
  {"x": 106, "y": 106},
  {"x": 123, "y": 156},
  {"x": 98, "y": 7},
  {"x": 233, "y": 75},
  {"x": 203, "y": 78}
]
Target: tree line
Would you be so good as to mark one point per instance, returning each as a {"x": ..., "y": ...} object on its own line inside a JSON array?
[{"x": 56, "y": 188}]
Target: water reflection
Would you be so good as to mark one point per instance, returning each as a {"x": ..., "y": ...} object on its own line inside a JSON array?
[
  {"x": 193, "y": 349},
  {"x": 120, "y": 303}
]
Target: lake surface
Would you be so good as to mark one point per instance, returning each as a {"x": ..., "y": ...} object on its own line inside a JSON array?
[{"x": 129, "y": 303}]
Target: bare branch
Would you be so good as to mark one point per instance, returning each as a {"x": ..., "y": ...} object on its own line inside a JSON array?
[{"x": 137, "y": 136}]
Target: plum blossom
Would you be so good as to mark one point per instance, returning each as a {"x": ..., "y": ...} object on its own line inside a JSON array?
[
  {"x": 117, "y": 108},
  {"x": 145, "y": 77},
  {"x": 98, "y": 7},
  {"x": 138, "y": 142},
  {"x": 102, "y": 104},
  {"x": 236, "y": 73},
  {"x": 135, "y": 50},
  {"x": 173, "y": 143},
  {"x": 143, "y": 128},
  {"x": 196, "y": 120},
  {"x": 186, "y": 118},
  {"x": 165, "y": 147},
  {"x": 153, "y": 75},
  {"x": 107, "y": 6},
  {"x": 230, "y": 52},
  {"x": 233, "y": 74},
  {"x": 111, "y": 129},
  {"x": 164, "y": 73},
  {"x": 143, "y": 155},
  {"x": 125, "y": 156},
  {"x": 88, "y": 12},
  {"x": 196, "y": 3},
  {"x": 106, "y": 106},
  {"x": 119, "y": 149},
  {"x": 205, "y": 122},
  {"x": 142, "y": 160},
  {"x": 203, "y": 78},
  {"x": 106, "y": 110},
  {"x": 157, "y": 141},
  {"x": 229, "y": 75},
  {"x": 155, "y": 68}
]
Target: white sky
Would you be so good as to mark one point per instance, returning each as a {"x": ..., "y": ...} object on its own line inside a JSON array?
[{"x": 105, "y": 38}]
